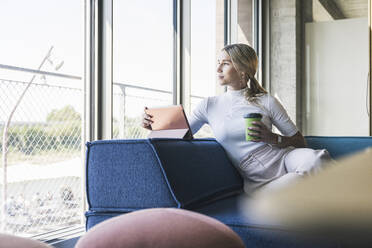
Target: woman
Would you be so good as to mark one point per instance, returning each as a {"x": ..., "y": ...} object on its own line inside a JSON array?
[{"x": 271, "y": 160}]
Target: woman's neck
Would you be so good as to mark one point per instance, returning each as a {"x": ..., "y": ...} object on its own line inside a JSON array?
[{"x": 230, "y": 88}]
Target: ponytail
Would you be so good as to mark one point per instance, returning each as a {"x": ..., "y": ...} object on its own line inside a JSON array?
[{"x": 253, "y": 90}]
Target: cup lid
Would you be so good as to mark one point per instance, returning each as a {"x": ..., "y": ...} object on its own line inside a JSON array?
[{"x": 253, "y": 115}]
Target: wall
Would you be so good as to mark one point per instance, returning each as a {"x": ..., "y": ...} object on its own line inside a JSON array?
[{"x": 336, "y": 81}]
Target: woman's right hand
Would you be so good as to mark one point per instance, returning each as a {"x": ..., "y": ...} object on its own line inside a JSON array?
[{"x": 146, "y": 120}]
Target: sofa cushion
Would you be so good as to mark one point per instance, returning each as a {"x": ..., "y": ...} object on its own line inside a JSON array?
[
  {"x": 95, "y": 217},
  {"x": 198, "y": 171},
  {"x": 339, "y": 146},
  {"x": 230, "y": 211},
  {"x": 161, "y": 227},
  {"x": 255, "y": 232}
]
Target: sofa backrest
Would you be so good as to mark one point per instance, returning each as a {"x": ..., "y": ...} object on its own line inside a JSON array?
[
  {"x": 137, "y": 174},
  {"x": 339, "y": 146},
  {"x": 198, "y": 171},
  {"x": 127, "y": 175}
]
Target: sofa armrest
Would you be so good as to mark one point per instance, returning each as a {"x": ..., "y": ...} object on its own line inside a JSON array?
[
  {"x": 125, "y": 175},
  {"x": 128, "y": 175}
]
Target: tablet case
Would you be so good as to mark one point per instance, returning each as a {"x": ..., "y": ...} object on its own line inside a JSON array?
[{"x": 169, "y": 122}]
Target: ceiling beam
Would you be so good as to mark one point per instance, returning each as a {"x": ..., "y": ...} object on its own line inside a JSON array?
[
  {"x": 307, "y": 6},
  {"x": 332, "y": 9}
]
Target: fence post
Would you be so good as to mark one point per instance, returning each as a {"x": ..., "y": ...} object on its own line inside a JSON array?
[{"x": 122, "y": 112}]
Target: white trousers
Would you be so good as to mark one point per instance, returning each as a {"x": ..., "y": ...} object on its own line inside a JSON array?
[{"x": 270, "y": 167}]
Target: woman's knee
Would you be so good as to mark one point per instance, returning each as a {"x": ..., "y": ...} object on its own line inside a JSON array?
[{"x": 306, "y": 161}]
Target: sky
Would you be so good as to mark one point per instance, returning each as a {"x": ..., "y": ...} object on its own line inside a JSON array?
[
  {"x": 142, "y": 43},
  {"x": 28, "y": 33},
  {"x": 144, "y": 40}
]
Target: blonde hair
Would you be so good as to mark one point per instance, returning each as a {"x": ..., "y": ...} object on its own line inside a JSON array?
[{"x": 245, "y": 61}]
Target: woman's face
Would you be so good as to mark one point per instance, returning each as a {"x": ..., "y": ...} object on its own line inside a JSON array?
[{"x": 227, "y": 74}]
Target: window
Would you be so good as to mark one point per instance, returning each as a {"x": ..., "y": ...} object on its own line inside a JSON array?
[
  {"x": 143, "y": 62},
  {"x": 206, "y": 41},
  {"x": 207, "y": 31},
  {"x": 42, "y": 92},
  {"x": 41, "y": 112}
]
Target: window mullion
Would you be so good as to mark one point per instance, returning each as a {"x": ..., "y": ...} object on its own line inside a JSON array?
[{"x": 185, "y": 86}]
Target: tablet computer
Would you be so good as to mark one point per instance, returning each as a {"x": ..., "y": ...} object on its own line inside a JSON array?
[{"x": 169, "y": 122}]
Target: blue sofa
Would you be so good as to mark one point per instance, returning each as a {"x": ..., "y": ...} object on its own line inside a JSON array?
[{"x": 128, "y": 175}]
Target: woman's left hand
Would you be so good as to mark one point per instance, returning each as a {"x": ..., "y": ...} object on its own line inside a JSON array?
[{"x": 262, "y": 133}]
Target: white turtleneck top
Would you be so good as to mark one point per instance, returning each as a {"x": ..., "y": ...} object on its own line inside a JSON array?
[{"x": 225, "y": 115}]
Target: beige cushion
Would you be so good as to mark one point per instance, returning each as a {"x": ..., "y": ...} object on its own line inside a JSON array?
[
  {"x": 11, "y": 241},
  {"x": 160, "y": 228}
]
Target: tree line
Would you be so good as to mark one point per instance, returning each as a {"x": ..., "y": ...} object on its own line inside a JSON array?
[{"x": 62, "y": 130}]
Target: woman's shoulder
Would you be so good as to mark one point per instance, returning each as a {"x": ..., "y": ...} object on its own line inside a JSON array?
[
  {"x": 268, "y": 101},
  {"x": 267, "y": 98},
  {"x": 213, "y": 99},
  {"x": 272, "y": 103},
  {"x": 264, "y": 98}
]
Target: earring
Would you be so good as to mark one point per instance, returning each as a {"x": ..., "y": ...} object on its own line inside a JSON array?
[{"x": 243, "y": 77}]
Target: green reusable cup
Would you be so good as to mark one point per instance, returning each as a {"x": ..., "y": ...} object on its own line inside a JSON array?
[{"x": 249, "y": 118}]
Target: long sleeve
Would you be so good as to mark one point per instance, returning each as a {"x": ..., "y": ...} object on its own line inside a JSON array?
[
  {"x": 199, "y": 116},
  {"x": 280, "y": 117}
]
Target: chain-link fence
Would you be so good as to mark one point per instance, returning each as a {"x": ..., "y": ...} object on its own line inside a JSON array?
[
  {"x": 40, "y": 157},
  {"x": 129, "y": 102}
]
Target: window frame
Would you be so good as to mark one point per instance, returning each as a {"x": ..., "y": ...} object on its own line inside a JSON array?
[{"x": 98, "y": 57}]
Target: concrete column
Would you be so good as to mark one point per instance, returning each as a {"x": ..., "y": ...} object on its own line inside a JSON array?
[{"x": 285, "y": 55}]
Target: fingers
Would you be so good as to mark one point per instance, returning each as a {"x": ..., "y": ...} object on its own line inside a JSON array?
[
  {"x": 259, "y": 128},
  {"x": 257, "y": 123},
  {"x": 146, "y": 127},
  {"x": 145, "y": 115},
  {"x": 257, "y": 140},
  {"x": 146, "y": 120},
  {"x": 146, "y": 124},
  {"x": 256, "y": 129},
  {"x": 260, "y": 132},
  {"x": 256, "y": 136}
]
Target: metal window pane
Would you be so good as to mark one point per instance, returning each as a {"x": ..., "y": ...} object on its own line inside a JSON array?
[
  {"x": 142, "y": 62},
  {"x": 206, "y": 42}
]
